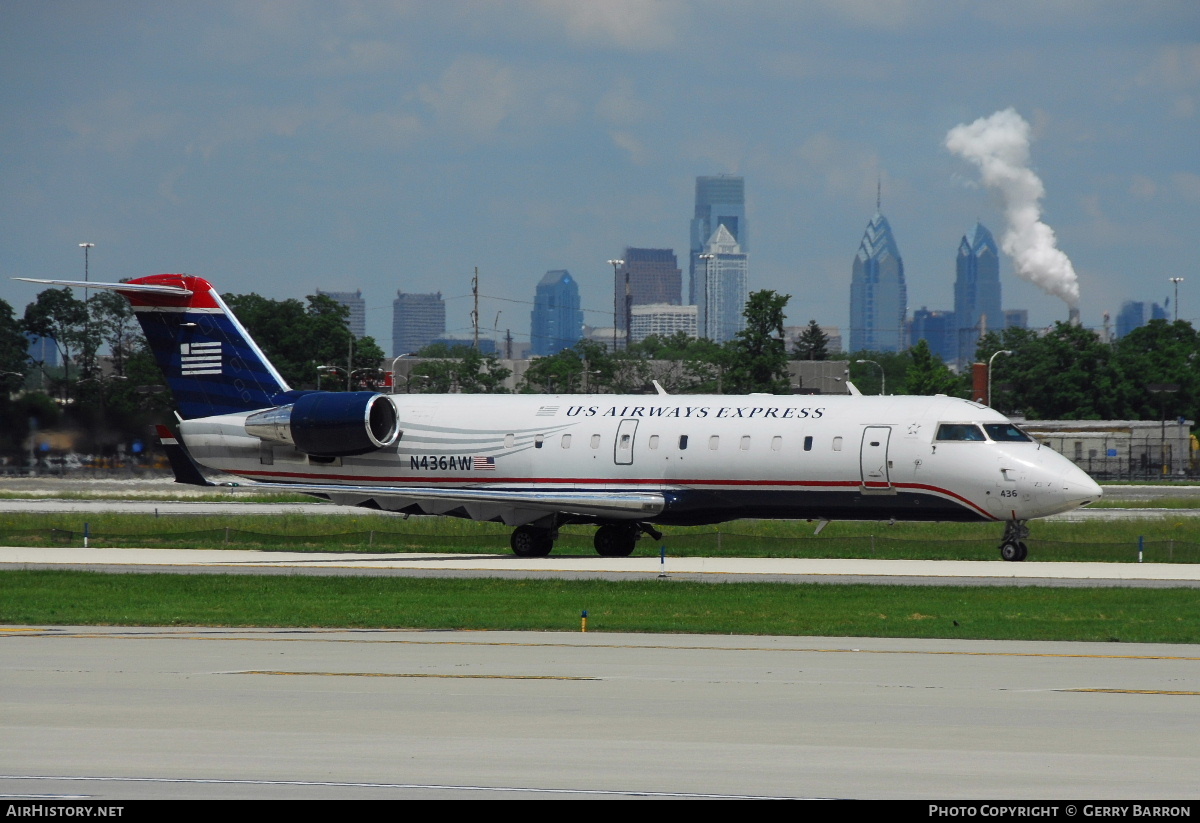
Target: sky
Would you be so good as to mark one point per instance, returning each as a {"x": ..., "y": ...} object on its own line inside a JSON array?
[{"x": 282, "y": 147}]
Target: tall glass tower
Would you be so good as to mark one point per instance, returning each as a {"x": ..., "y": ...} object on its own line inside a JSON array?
[
  {"x": 720, "y": 201},
  {"x": 878, "y": 295},
  {"x": 722, "y": 304},
  {"x": 556, "y": 319},
  {"x": 976, "y": 292}
]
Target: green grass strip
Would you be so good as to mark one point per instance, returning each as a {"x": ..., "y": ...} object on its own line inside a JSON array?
[{"x": 1005, "y": 612}]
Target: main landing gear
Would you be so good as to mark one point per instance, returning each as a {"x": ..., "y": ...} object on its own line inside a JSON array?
[
  {"x": 1012, "y": 546},
  {"x": 531, "y": 541},
  {"x": 612, "y": 539}
]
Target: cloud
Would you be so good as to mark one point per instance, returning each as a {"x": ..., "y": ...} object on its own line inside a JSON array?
[
  {"x": 635, "y": 25},
  {"x": 474, "y": 96}
]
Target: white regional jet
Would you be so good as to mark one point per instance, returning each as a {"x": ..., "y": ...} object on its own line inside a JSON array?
[{"x": 623, "y": 463}]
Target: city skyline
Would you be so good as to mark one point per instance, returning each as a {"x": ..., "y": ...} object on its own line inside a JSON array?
[{"x": 282, "y": 148}]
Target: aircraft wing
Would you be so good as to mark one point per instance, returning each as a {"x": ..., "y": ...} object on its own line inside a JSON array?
[{"x": 511, "y": 506}]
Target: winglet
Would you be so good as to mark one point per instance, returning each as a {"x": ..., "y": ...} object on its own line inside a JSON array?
[
  {"x": 185, "y": 468},
  {"x": 658, "y": 388},
  {"x": 853, "y": 389}
]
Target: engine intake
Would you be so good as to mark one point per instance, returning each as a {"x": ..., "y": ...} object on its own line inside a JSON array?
[{"x": 330, "y": 424}]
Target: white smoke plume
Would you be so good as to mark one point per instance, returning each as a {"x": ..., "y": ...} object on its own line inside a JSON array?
[{"x": 999, "y": 146}]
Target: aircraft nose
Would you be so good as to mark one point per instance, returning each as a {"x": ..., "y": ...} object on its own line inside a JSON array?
[{"x": 1079, "y": 489}]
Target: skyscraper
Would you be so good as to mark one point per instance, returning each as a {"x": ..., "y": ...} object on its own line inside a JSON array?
[
  {"x": 654, "y": 277},
  {"x": 720, "y": 201},
  {"x": 722, "y": 274},
  {"x": 878, "y": 295},
  {"x": 556, "y": 319},
  {"x": 352, "y": 300},
  {"x": 662, "y": 319},
  {"x": 976, "y": 292},
  {"x": 1135, "y": 314},
  {"x": 417, "y": 320}
]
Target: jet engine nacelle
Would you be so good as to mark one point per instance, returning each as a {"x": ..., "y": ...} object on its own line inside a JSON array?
[{"x": 330, "y": 424}]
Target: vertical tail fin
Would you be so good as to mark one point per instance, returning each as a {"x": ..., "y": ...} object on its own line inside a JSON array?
[{"x": 208, "y": 358}]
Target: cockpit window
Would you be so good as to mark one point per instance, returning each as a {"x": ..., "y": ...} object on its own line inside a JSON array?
[
  {"x": 959, "y": 431},
  {"x": 1006, "y": 433}
]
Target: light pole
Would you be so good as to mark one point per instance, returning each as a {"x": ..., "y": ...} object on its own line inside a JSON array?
[
  {"x": 616, "y": 264},
  {"x": 990, "y": 359},
  {"x": 1176, "y": 281},
  {"x": 882, "y": 375},
  {"x": 87, "y": 310},
  {"x": 393, "y": 369}
]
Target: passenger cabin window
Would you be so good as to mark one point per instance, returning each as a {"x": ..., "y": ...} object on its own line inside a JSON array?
[
  {"x": 654, "y": 441},
  {"x": 959, "y": 431},
  {"x": 682, "y": 442},
  {"x": 538, "y": 440},
  {"x": 595, "y": 441},
  {"x": 776, "y": 443},
  {"x": 714, "y": 442},
  {"x": 745, "y": 444},
  {"x": 566, "y": 441},
  {"x": 837, "y": 444},
  {"x": 808, "y": 444},
  {"x": 509, "y": 440},
  {"x": 1006, "y": 433}
]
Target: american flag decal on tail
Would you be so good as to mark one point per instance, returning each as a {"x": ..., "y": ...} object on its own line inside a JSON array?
[
  {"x": 484, "y": 464},
  {"x": 200, "y": 358}
]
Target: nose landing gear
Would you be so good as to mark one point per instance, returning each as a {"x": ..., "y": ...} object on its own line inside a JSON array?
[{"x": 1012, "y": 545}]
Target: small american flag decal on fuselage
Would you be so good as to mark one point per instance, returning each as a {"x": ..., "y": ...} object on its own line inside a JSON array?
[
  {"x": 484, "y": 464},
  {"x": 200, "y": 358}
]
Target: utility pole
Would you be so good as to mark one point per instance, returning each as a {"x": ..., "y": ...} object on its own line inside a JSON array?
[{"x": 475, "y": 311}]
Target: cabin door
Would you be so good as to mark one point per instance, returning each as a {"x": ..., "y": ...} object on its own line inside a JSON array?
[
  {"x": 873, "y": 460},
  {"x": 623, "y": 448}
]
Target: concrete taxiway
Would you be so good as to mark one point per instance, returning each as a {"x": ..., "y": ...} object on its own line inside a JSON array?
[
  {"x": 711, "y": 569},
  {"x": 230, "y": 713}
]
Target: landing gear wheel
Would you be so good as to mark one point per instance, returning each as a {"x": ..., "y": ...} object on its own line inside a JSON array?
[
  {"x": 616, "y": 541},
  {"x": 528, "y": 541},
  {"x": 1012, "y": 546},
  {"x": 1014, "y": 551}
]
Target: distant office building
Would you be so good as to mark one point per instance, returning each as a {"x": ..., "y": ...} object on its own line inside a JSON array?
[
  {"x": 976, "y": 292},
  {"x": 722, "y": 273},
  {"x": 556, "y": 322},
  {"x": 1134, "y": 315},
  {"x": 939, "y": 330},
  {"x": 352, "y": 300},
  {"x": 720, "y": 201},
  {"x": 878, "y": 295},
  {"x": 1016, "y": 318},
  {"x": 42, "y": 350},
  {"x": 654, "y": 277},
  {"x": 486, "y": 344},
  {"x": 417, "y": 320},
  {"x": 662, "y": 319}
]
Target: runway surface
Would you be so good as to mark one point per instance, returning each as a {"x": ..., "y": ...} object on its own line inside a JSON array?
[
  {"x": 590, "y": 566},
  {"x": 215, "y": 713}
]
